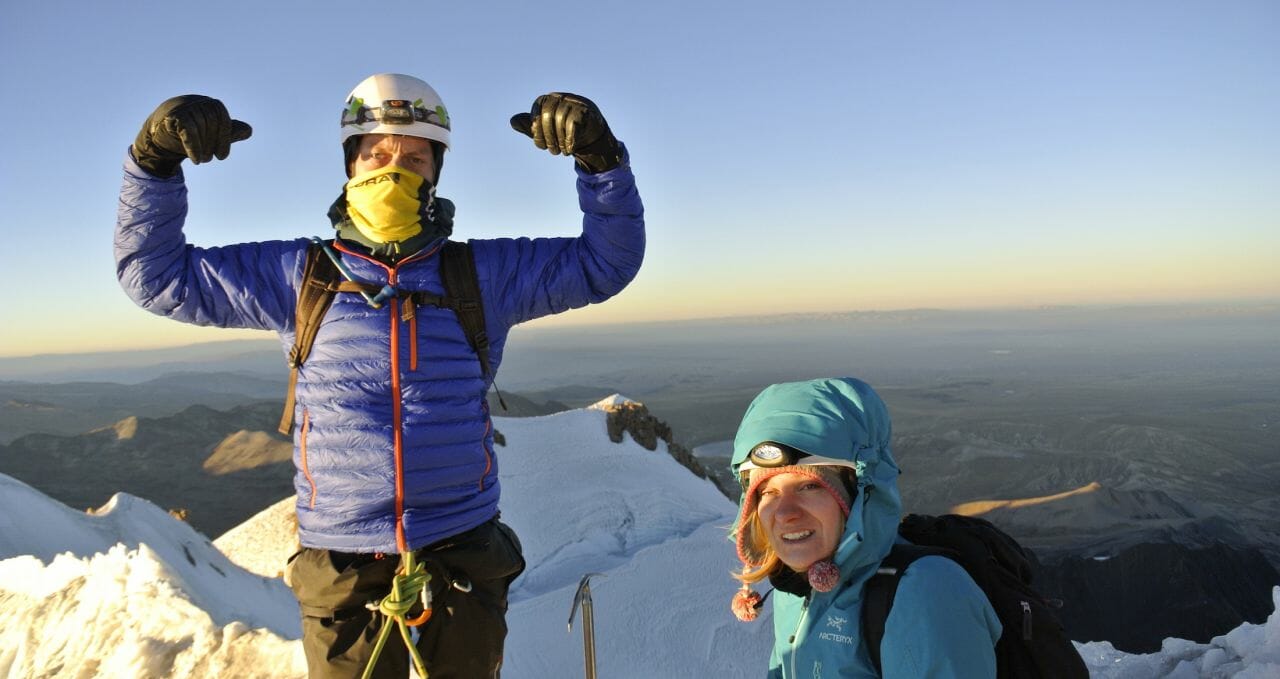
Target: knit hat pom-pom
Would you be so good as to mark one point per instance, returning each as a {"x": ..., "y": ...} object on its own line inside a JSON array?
[
  {"x": 824, "y": 576},
  {"x": 746, "y": 605}
]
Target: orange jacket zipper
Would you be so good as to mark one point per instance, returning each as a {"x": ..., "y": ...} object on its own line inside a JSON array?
[{"x": 397, "y": 423}]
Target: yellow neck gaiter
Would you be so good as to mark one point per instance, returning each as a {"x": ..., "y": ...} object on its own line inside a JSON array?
[{"x": 389, "y": 204}]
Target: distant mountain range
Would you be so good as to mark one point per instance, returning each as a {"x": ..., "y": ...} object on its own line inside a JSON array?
[
  {"x": 70, "y": 408},
  {"x": 1149, "y": 591},
  {"x": 261, "y": 357},
  {"x": 218, "y": 467}
]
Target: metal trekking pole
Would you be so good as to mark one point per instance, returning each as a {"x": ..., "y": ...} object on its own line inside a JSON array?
[{"x": 583, "y": 598}]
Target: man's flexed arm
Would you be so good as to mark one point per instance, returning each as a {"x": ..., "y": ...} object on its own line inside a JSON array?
[
  {"x": 243, "y": 286},
  {"x": 529, "y": 278}
]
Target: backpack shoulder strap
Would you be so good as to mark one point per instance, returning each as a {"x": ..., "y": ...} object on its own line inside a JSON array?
[
  {"x": 320, "y": 281},
  {"x": 880, "y": 590},
  {"x": 462, "y": 289}
]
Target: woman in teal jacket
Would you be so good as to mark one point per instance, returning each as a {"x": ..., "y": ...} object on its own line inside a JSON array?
[{"x": 819, "y": 511}]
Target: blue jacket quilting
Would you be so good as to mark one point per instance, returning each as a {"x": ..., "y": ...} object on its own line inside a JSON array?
[
  {"x": 393, "y": 442},
  {"x": 941, "y": 625}
]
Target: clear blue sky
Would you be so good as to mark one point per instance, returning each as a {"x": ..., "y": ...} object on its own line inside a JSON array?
[{"x": 811, "y": 156}]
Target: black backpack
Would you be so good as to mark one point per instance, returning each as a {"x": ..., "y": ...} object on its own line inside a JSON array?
[
  {"x": 1033, "y": 643},
  {"x": 321, "y": 280}
]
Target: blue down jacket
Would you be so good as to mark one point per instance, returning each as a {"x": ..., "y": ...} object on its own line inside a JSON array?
[
  {"x": 393, "y": 442},
  {"x": 941, "y": 625}
]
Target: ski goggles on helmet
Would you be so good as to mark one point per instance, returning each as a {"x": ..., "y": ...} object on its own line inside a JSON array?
[{"x": 393, "y": 112}]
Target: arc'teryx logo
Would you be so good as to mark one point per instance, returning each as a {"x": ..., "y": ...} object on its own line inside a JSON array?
[{"x": 837, "y": 623}]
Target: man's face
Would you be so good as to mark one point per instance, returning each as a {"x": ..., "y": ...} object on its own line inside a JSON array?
[
  {"x": 802, "y": 520},
  {"x": 376, "y": 151}
]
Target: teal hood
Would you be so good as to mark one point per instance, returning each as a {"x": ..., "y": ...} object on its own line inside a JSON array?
[{"x": 841, "y": 418}]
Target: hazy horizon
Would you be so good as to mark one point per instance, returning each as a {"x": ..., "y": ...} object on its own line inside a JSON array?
[
  {"x": 203, "y": 336},
  {"x": 684, "y": 368}
]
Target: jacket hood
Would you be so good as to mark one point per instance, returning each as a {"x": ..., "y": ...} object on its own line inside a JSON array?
[{"x": 844, "y": 419}]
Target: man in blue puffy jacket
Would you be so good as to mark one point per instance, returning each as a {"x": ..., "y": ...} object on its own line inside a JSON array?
[{"x": 393, "y": 440}]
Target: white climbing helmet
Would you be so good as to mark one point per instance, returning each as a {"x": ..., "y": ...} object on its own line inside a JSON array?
[{"x": 392, "y": 103}]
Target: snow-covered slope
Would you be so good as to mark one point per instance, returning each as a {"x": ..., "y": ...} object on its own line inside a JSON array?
[
  {"x": 131, "y": 592},
  {"x": 264, "y": 543},
  {"x": 582, "y": 504}
]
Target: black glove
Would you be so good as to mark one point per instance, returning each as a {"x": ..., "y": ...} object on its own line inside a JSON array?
[
  {"x": 566, "y": 123},
  {"x": 190, "y": 126}
]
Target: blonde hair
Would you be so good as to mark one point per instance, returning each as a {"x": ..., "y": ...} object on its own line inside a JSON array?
[{"x": 752, "y": 533}]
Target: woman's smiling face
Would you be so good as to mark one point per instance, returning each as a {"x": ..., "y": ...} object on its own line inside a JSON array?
[{"x": 801, "y": 518}]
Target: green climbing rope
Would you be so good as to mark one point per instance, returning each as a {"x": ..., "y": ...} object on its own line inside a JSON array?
[{"x": 408, "y": 585}]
